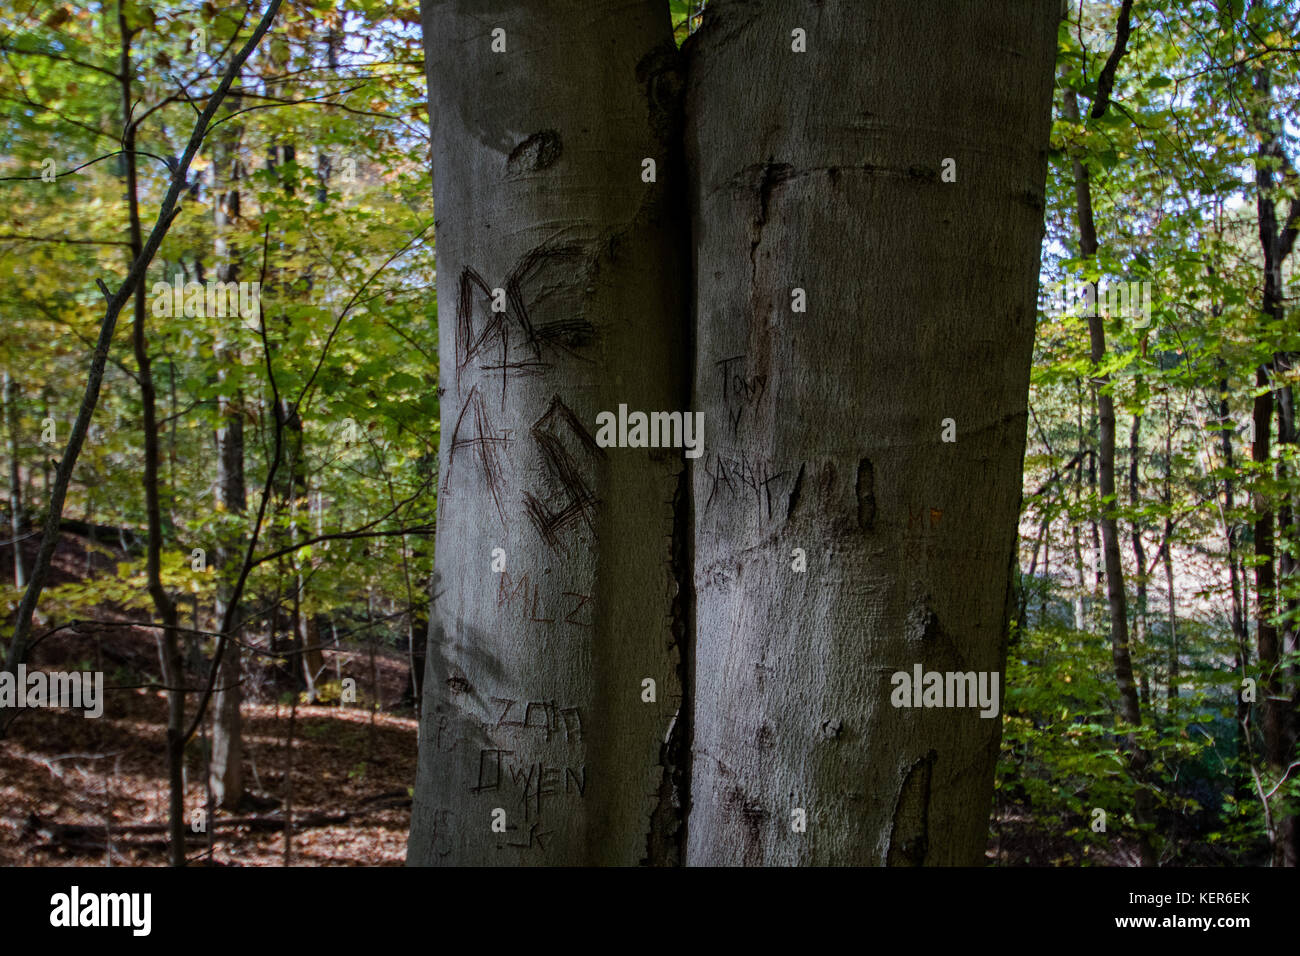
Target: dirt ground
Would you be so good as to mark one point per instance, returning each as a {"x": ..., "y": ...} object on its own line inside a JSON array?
[
  {"x": 63, "y": 778},
  {"x": 60, "y": 770},
  {"x": 93, "y": 792}
]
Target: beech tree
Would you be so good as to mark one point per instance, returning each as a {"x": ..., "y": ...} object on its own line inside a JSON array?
[
  {"x": 639, "y": 657},
  {"x": 562, "y": 248},
  {"x": 878, "y": 429},
  {"x": 733, "y": 314}
]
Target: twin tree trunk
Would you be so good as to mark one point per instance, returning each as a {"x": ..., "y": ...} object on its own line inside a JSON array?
[{"x": 829, "y": 171}]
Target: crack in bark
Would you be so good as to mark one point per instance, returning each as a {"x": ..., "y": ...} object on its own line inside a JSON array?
[
  {"x": 864, "y": 489},
  {"x": 795, "y": 492},
  {"x": 666, "y": 838}
]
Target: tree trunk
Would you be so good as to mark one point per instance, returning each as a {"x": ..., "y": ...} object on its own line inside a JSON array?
[
  {"x": 291, "y": 490},
  {"x": 1276, "y": 242},
  {"x": 1116, "y": 597},
  {"x": 227, "y": 769},
  {"x": 533, "y": 697},
  {"x": 15, "y": 478},
  {"x": 308, "y": 629},
  {"x": 1094, "y": 526},
  {"x": 1287, "y": 852},
  {"x": 169, "y": 648},
  {"x": 819, "y": 176},
  {"x": 1085, "y": 587},
  {"x": 313, "y": 658},
  {"x": 1139, "y": 551}
]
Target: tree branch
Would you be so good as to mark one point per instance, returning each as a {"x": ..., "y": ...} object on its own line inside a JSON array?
[{"x": 63, "y": 475}]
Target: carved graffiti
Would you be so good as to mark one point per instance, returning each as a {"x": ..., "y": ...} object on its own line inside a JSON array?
[
  {"x": 506, "y": 595},
  {"x": 485, "y": 442},
  {"x": 550, "y": 718},
  {"x": 511, "y": 340},
  {"x": 575, "y": 501},
  {"x": 739, "y": 391},
  {"x": 526, "y": 594},
  {"x": 441, "y": 836},
  {"x": 742, "y": 475},
  {"x": 577, "y": 615},
  {"x": 917, "y": 519}
]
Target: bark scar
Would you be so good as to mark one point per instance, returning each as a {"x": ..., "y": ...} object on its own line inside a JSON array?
[
  {"x": 909, "y": 832},
  {"x": 923, "y": 624},
  {"x": 769, "y": 176},
  {"x": 537, "y": 152},
  {"x": 661, "y": 72}
]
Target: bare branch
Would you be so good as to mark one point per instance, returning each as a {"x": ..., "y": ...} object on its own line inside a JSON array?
[{"x": 166, "y": 214}]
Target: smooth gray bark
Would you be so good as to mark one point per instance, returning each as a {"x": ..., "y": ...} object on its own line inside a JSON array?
[
  {"x": 226, "y": 773},
  {"x": 823, "y": 171},
  {"x": 533, "y": 688}
]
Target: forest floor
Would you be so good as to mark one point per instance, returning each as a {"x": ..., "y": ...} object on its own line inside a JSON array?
[
  {"x": 79, "y": 792},
  {"x": 64, "y": 779},
  {"x": 93, "y": 792}
]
